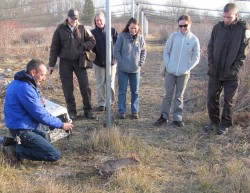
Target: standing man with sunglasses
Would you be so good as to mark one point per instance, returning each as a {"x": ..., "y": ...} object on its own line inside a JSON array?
[
  {"x": 227, "y": 49},
  {"x": 181, "y": 55}
]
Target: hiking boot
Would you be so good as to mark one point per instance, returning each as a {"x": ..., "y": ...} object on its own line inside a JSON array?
[
  {"x": 10, "y": 153},
  {"x": 135, "y": 116},
  {"x": 160, "y": 121},
  {"x": 6, "y": 141},
  {"x": 122, "y": 116},
  {"x": 101, "y": 108},
  {"x": 73, "y": 116},
  {"x": 89, "y": 115},
  {"x": 210, "y": 127},
  {"x": 178, "y": 123},
  {"x": 222, "y": 130}
]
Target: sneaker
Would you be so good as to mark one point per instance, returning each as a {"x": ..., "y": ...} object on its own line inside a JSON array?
[
  {"x": 160, "y": 121},
  {"x": 210, "y": 127},
  {"x": 222, "y": 131},
  {"x": 89, "y": 115},
  {"x": 178, "y": 123},
  {"x": 122, "y": 116},
  {"x": 135, "y": 116},
  {"x": 101, "y": 108}
]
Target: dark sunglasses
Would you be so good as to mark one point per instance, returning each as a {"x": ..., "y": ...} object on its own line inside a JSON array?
[{"x": 181, "y": 26}]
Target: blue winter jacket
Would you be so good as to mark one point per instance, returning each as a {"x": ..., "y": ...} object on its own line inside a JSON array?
[{"x": 23, "y": 108}]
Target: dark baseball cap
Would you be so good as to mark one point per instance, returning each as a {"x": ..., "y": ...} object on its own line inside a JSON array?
[{"x": 73, "y": 14}]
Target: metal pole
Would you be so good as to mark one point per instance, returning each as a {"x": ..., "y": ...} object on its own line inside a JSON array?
[
  {"x": 138, "y": 11},
  {"x": 108, "y": 65},
  {"x": 132, "y": 7},
  {"x": 146, "y": 27},
  {"x": 142, "y": 20}
]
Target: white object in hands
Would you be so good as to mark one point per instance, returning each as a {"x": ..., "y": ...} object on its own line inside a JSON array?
[{"x": 54, "y": 134}]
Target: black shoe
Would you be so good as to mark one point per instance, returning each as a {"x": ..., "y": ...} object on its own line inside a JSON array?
[
  {"x": 178, "y": 123},
  {"x": 10, "y": 153},
  {"x": 135, "y": 116},
  {"x": 222, "y": 130},
  {"x": 89, "y": 115},
  {"x": 101, "y": 108},
  {"x": 6, "y": 141},
  {"x": 210, "y": 127},
  {"x": 160, "y": 121},
  {"x": 73, "y": 116},
  {"x": 122, "y": 116}
]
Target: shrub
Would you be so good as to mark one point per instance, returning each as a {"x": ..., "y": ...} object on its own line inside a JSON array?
[
  {"x": 35, "y": 37},
  {"x": 9, "y": 32}
]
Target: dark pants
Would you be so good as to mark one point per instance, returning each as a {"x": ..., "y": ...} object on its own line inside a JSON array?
[
  {"x": 215, "y": 87},
  {"x": 35, "y": 146},
  {"x": 66, "y": 69}
]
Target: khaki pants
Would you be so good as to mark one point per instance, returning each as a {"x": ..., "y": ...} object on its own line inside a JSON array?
[
  {"x": 100, "y": 74},
  {"x": 177, "y": 85}
]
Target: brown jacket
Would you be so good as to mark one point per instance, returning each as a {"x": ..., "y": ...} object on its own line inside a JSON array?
[
  {"x": 227, "y": 49},
  {"x": 67, "y": 44}
]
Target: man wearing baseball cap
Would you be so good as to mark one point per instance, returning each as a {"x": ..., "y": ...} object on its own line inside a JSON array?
[
  {"x": 66, "y": 44},
  {"x": 73, "y": 14}
]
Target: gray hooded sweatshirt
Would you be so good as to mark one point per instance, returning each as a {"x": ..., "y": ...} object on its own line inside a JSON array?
[
  {"x": 181, "y": 53},
  {"x": 130, "y": 54}
]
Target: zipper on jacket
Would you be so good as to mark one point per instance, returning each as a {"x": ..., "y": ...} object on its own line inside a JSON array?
[{"x": 180, "y": 55}]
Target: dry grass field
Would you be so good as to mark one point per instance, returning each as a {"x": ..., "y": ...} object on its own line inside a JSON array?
[{"x": 171, "y": 159}]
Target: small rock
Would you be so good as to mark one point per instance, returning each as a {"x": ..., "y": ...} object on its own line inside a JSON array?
[
  {"x": 8, "y": 70},
  {"x": 1, "y": 76}
]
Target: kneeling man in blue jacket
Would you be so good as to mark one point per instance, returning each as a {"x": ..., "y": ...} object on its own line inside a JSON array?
[{"x": 24, "y": 111}]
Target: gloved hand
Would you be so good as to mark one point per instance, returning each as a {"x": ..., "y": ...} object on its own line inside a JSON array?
[
  {"x": 51, "y": 69},
  {"x": 88, "y": 45},
  {"x": 234, "y": 70}
]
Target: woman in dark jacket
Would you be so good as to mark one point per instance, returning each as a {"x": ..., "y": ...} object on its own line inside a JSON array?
[{"x": 100, "y": 60}]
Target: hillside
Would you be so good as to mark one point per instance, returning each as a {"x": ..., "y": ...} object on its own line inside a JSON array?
[{"x": 171, "y": 159}]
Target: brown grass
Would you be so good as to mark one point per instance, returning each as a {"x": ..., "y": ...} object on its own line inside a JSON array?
[{"x": 171, "y": 159}]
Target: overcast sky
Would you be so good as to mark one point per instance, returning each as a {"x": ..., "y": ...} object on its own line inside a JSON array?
[{"x": 205, "y": 4}]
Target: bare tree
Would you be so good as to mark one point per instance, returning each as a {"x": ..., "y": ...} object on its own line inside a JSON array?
[
  {"x": 127, "y": 7},
  {"x": 88, "y": 12}
]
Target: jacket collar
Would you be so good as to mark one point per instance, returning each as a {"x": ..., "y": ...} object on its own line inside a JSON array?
[
  {"x": 23, "y": 76},
  {"x": 186, "y": 34}
]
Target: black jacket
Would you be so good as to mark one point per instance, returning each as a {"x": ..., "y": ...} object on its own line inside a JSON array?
[
  {"x": 100, "y": 47},
  {"x": 227, "y": 49},
  {"x": 66, "y": 44}
]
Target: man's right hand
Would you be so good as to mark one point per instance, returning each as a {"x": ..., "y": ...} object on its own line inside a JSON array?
[
  {"x": 51, "y": 69},
  {"x": 67, "y": 126}
]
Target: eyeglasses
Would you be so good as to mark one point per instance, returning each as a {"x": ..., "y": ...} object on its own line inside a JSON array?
[{"x": 181, "y": 26}]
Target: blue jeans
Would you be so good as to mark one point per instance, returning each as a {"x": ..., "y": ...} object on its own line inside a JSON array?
[
  {"x": 134, "y": 81},
  {"x": 35, "y": 146}
]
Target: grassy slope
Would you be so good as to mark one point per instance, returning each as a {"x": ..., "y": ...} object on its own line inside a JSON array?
[{"x": 172, "y": 159}]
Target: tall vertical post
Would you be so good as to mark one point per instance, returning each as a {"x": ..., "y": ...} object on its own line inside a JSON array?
[
  {"x": 108, "y": 64},
  {"x": 145, "y": 27},
  {"x": 133, "y": 8},
  {"x": 142, "y": 22},
  {"x": 138, "y": 11}
]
